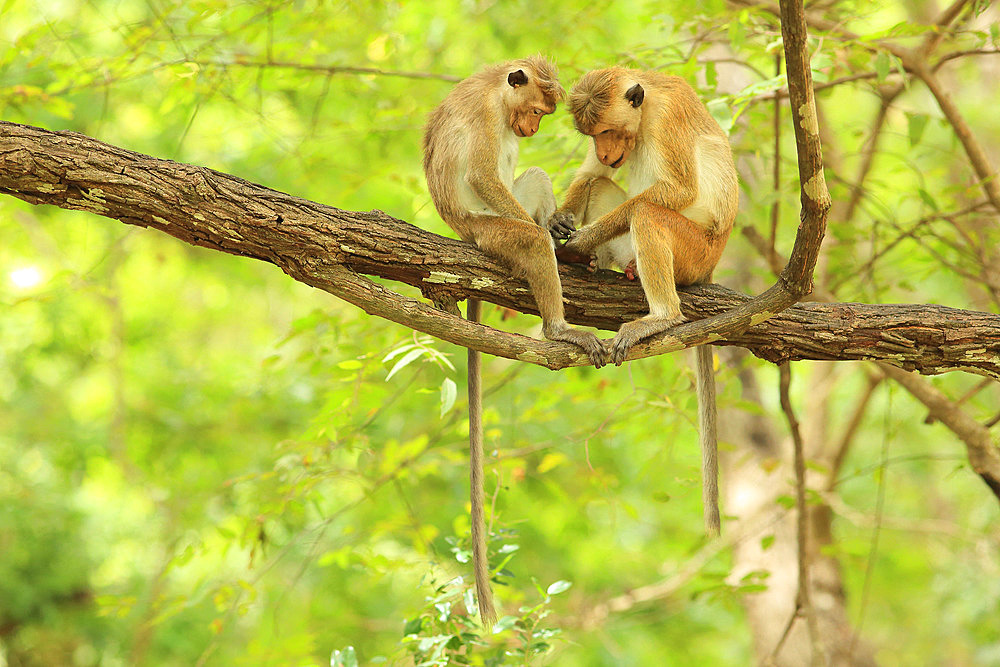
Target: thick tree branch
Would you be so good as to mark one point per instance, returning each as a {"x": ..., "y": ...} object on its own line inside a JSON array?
[{"x": 326, "y": 247}]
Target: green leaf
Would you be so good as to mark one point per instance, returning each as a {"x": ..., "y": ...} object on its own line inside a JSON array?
[
  {"x": 398, "y": 351},
  {"x": 882, "y": 65},
  {"x": 766, "y": 542},
  {"x": 413, "y": 626},
  {"x": 558, "y": 587},
  {"x": 505, "y": 623},
  {"x": 927, "y": 199},
  {"x": 722, "y": 113},
  {"x": 349, "y": 365},
  {"x": 711, "y": 75},
  {"x": 407, "y": 359},
  {"x": 448, "y": 393},
  {"x": 916, "y": 122}
]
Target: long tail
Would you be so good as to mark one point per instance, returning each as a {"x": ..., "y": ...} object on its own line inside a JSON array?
[
  {"x": 708, "y": 439},
  {"x": 480, "y": 559}
]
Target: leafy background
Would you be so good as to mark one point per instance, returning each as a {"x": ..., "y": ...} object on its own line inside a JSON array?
[{"x": 204, "y": 462}]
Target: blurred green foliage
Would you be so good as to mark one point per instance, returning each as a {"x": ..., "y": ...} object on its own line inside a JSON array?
[{"x": 204, "y": 462}]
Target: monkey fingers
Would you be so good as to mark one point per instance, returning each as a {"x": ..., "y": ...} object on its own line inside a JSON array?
[{"x": 561, "y": 225}]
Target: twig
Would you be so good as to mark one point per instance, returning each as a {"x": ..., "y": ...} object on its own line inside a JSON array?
[
  {"x": 326, "y": 69},
  {"x": 984, "y": 455},
  {"x": 847, "y": 437},
  {"x": 803, "y": 603}
]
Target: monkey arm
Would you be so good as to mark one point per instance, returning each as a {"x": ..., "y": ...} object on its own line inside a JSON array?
[
  {"x": 483, "y": 177},
  {"x": 495, "y": 194},
  {"x": 578, "y": 194},
  {"x": 675, "y": 194},
  {"x": 608, "y": 226}
]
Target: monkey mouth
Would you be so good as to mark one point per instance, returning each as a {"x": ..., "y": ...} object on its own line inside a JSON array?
[{"x": 617, "y": 163}]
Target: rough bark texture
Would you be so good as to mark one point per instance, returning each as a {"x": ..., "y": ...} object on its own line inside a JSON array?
[{"x": 327, "y": 248}]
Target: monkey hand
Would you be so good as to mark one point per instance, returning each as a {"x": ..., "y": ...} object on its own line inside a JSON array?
[
  {"x": 561, "y": 224},
  {"x": 579, "y": 241}
]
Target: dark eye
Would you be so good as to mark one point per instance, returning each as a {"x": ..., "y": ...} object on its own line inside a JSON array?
[
  {"x": 606, "y": 132},
  {"x": 537, "y": 112}
]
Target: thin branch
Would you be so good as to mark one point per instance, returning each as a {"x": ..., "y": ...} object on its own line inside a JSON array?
[
  {"x": 803, "y": 602},
  {"x": 984, "y": 454},
  {"x": 948, "y": 57},
  {"x": 853, "y": 424},
  {"x": 982, "y": 384},
  {"x": 987, "y": 174},
  {"x": 915, "y": 62},
  {"x": 326, "y": 69}
]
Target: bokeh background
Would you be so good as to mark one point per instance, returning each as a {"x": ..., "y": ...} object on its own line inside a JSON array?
[{"x": 205, "y": 462}]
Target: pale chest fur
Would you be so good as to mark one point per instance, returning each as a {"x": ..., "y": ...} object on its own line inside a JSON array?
[
  {"x": 645, "y": 168},
  {"x": 648, "y": 167}
]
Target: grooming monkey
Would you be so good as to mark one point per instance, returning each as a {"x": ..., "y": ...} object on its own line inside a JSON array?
[
  {"x": 470, "y": 153},
  {"x": 673, "y": 227}
]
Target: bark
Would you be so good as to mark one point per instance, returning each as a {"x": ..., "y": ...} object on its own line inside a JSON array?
[{"x": 327, "y": 248}]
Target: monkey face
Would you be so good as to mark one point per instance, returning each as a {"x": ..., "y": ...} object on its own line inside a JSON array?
[
  {"x": 527, "y": 103},
  {"x": 613, "y": 144},
  {"x": 525, "y": 119}
]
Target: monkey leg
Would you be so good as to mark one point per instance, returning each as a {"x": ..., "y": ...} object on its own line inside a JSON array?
[
  {"x": 654, "y": 243},
  {"x": 605, "y": 196},
  {"x": 527, "y": 249}
]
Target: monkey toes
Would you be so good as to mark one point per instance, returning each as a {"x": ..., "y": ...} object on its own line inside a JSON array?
[
  {"x": 590, "y": 343},
  {"x": 620, "y": 345},
  {"x": 631, "y": 333},
  {"x": 630, "y": 271}
]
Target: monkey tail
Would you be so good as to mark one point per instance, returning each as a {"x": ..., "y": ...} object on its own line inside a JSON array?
[
  {"x": 480, "y": 558},
  {"x": 708, "y": 439}
]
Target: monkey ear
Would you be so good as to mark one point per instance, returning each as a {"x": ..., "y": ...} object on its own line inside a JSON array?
[
  {"x": 518, "y": 78},
  {"x": 635, "y": 95}
]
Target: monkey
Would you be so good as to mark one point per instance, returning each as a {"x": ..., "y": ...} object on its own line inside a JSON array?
[
  {"x": 671, "y": 226},
  {"x": 470, "y": 153}
]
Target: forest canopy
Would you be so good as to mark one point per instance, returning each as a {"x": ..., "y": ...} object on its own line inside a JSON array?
[{"x": 204, "y": 460}]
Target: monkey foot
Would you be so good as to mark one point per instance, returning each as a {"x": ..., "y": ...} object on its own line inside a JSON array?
[
  {"x": 631, "y": 333},
  {"x": 591, "y": 344},
  {"x": 567, "y": 256}
]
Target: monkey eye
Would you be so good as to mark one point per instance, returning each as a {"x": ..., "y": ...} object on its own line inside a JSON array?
[
  {"x": 606, "y": 132},
  {"x": 537, "y": 112}
]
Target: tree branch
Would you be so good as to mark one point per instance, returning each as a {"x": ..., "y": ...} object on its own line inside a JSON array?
[
  {"x": 984, "y": 455},
  {"x": 326, "y": 248}
]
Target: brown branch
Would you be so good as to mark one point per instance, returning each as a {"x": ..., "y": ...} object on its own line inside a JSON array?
[
  {"x": 327, "y": 248},
  {"x": 988, "y": 176},
  {"x": 984, "y": 454},
  {"x": 853, "y": 424},
  {"x": 815, "y": 198},
  {"x": 915, "y": 61},
  {"x": 803, "y": 602}
]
